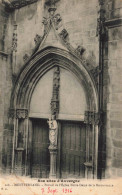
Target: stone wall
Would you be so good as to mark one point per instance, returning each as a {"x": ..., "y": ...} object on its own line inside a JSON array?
[
  {"x": 5, "y": 88},
  {"x": 3, "y": 61},
  {"x": 113, "y": 60},
  {"x": 114, "y": 106}
]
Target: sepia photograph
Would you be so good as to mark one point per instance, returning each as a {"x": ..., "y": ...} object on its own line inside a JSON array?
[{"x": 60, "y": 97}]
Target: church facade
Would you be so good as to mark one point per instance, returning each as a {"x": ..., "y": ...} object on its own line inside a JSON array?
[{"x": 60, "y": 84}]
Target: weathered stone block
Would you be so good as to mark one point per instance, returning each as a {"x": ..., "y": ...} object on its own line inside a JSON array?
[
  {"x": 116, "y": 124},
  {"x": 116, "y": 115},
  {"x": 112, "y": 47},
  {"x": 116, "y": 89},
  {"x": 117, "y": 153},
  {"x": 93, "y": 33},
  {"x": 117, "y": 143},
  {"x": 108, "y": 151},
  {"x": 117, "y": 163}
]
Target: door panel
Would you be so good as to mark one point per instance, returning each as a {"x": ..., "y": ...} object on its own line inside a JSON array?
[
  {"x": 73, "y": 149},
  {"x": 40, "y": 153}
]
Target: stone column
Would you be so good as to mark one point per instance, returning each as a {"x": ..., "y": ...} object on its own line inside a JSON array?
[
  {"x": 21, "y": 141},
  {"x": 53, "y": 155},
  {"x": 53, "y": 132},
  {"x": 53, "y": 128},
  {"x": 91, "y": 120}
]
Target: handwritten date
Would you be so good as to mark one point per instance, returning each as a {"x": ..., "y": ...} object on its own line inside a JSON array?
[{"x": 54, "y": 191}]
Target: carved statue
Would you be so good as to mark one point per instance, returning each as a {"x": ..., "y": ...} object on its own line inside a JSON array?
[
  {"x": 91, "y": 117},
  {"x": 52, "y": 132}
]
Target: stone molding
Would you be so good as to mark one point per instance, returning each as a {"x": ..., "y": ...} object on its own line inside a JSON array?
[
  {"x": 113, "y": 22},
  {"x": 12, "y": 113},
  {"x": 26, "y": 57}
]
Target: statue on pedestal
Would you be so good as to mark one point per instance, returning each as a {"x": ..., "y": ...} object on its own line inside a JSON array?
[{"x": 52, "y": 133}]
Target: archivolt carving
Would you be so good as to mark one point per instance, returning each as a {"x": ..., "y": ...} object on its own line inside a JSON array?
[{"x": 39, "y": 64}]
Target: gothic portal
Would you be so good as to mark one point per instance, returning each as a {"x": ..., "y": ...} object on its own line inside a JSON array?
[
  {"x": 60, "y": 88},
  {"x": 56, "y": 118}
]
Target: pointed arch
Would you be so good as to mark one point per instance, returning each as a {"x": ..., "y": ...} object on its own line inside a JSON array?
[{"x": 43, "y": 61}]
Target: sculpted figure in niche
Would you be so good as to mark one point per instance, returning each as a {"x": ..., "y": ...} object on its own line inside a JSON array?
[{"x": 52, "y": 132}]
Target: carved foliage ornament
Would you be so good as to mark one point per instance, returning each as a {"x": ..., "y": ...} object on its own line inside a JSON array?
[
  {"x": 57, "y": 21},
  {"x": 80, "y": 50},
  {"x": 46, "y": 22},
  {"x": 55, "y": 95},
  {"x": 63, "y": 34},
  {"x": 25, "y": 57},
  {"x": 18, "y": 113},
  {"x": 21, "y": 113},
  {"x": 91, "y": 117},
  {"x": 101, "y": 28},
  {"x": 37, "y": 39},
  {"x": 14, "y": 42}
]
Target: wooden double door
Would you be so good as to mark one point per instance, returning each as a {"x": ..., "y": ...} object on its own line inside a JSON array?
[{"x": 71, "y": 153}]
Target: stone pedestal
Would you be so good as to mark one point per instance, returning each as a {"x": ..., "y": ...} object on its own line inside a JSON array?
[{"x": 53, "y": 155}]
